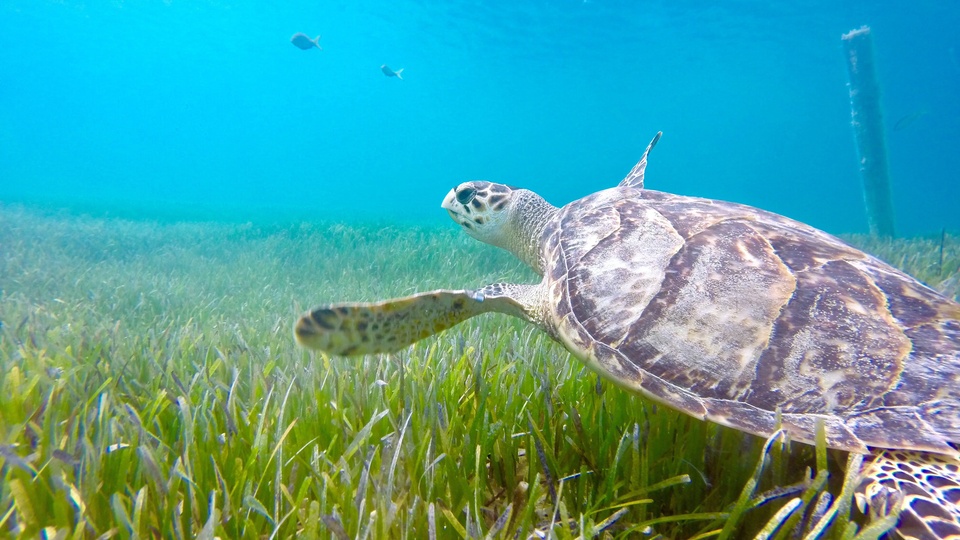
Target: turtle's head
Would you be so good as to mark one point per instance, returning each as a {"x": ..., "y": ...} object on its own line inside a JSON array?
[
  {"x": 507, "y": 217},
  {"x": 483, "y": 209}
]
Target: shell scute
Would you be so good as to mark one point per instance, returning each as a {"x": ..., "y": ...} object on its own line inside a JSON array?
[
  {"x": 708, "y": 329},
  {"x": 829, "y": 349},
  {"x": 609, "y": 281}
]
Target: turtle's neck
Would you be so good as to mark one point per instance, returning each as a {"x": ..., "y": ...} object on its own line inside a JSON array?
[{"x": 530, "y": 215}]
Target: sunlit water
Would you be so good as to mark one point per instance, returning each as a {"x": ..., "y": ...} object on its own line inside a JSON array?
[{"x": 205, "y": 110}]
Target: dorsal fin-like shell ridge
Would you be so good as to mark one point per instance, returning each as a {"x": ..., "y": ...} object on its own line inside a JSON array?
[{"x": 635, "y": 178}]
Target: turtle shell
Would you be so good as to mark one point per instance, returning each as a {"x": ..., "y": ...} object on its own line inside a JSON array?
[{"x": 753, "y": 320}]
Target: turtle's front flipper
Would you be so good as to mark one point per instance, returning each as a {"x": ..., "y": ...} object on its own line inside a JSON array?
[{"x": 381, "y": 327}]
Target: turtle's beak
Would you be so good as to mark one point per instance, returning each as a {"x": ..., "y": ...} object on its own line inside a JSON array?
[
  {"x": 450, "y": 201},
  {"x": 453, "y": 207}
]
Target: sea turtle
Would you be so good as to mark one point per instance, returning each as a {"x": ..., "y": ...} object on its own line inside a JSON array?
[{"x": 723, "y": 311}]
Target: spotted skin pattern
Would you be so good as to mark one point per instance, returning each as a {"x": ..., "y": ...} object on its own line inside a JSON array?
[
  {"x": 723, "y": 311},
  {"x": 354, "y": 329},
  {"x": 926, "y": 485},
  {"x": 482, "y": 196}
]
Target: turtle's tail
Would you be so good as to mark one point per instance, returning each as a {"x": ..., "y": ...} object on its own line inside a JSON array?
[{"x": 925, "y": 486}]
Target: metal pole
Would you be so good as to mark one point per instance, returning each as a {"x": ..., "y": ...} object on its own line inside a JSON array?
[{"x": 867, "y": 121}]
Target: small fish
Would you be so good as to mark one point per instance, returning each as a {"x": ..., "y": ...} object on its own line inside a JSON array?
[
  {"x": 303, "y": 41},
  {"x": 66, "y": 457},
  {"x": 908, "y": 119},
  {"x": 391, "y": 73},
  {"x": 12, "y": 457}
]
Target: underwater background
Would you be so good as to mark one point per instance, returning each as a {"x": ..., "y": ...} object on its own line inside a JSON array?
[
  {"x": 179, "y": 182},
  {"x": 204, "y": 110}
]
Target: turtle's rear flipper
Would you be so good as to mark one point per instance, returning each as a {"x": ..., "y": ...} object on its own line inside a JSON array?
[
  {"x": 359, "y": 328},
  {"x": 927, "y": 485}
]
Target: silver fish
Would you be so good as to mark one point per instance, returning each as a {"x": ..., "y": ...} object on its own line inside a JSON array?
[
  {"x": 303, "y": 41},
  {"x": 391, "y": 73},
  {"x": 909, "y": 119}
]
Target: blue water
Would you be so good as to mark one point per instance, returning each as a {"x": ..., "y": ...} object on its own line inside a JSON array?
[{"x": 204, "y": 109}]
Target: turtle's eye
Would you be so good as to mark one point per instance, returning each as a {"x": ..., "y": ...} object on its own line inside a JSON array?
[{"x": 464, "y": 196}]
